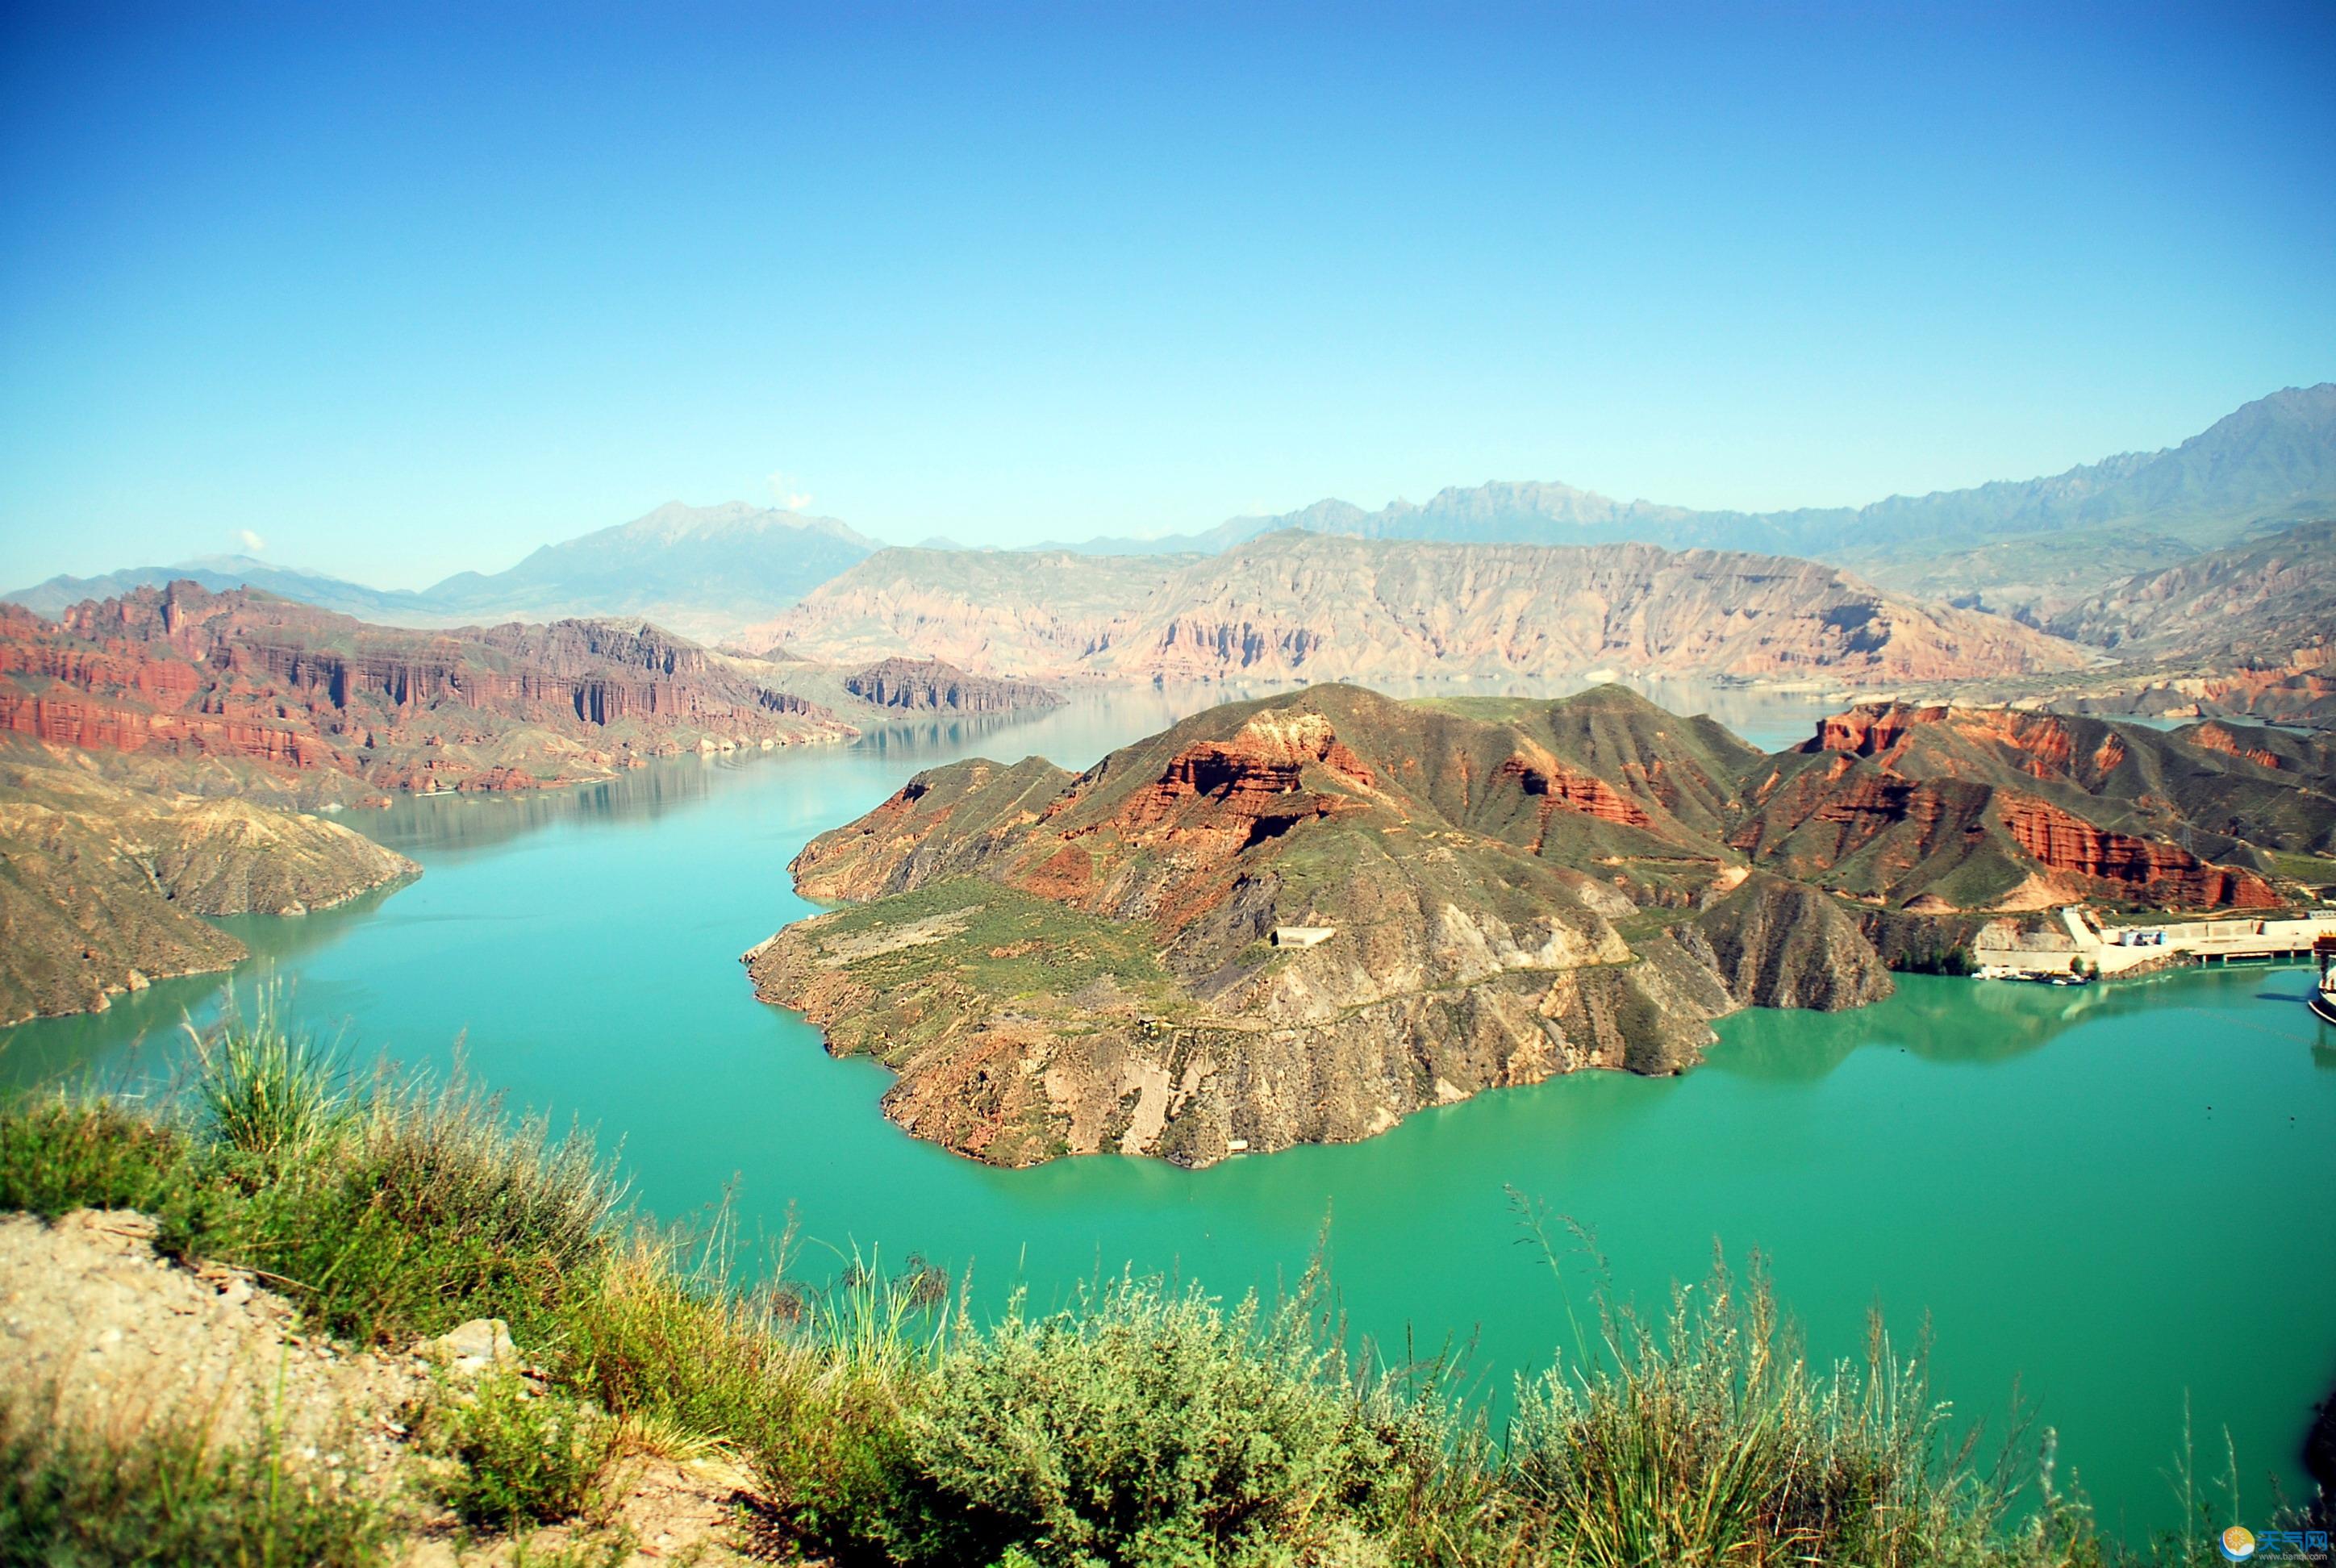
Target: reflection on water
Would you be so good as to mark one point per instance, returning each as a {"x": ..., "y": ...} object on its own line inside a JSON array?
[
  {"x": 456, "y": 824},
  {"x": 1981, "y": 1021}
]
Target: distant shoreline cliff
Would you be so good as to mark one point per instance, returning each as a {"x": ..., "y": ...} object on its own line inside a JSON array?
[{"x": 1311, "y": 608}]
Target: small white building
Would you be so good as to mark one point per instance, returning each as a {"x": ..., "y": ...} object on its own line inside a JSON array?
[{"x": 1302, "y": 936}]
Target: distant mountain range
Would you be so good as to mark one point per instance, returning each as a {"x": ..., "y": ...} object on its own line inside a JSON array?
[
  {"x": 700, "y": 570},
  {"x": 2036, "y": 548},
  {"x": 2266, "y": 599},
  {"x": 1298, "y": 607},
  {"x": 2008, "y": 544},
  {"x": 224, "y": 574}
]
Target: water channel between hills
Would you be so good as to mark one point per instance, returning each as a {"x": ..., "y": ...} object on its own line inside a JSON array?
[{"x": 2111, "y": 1197}]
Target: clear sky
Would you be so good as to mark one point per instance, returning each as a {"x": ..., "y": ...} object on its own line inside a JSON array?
[{"x": 403, "y": 291}]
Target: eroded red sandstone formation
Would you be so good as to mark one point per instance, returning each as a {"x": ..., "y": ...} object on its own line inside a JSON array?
[
  {"x": 2221, "y": 737},
  {"x": 2070, "y": 848},
  {"x": 2042, "y": 745},
  {"x": 930, "y": 685},
  {"x": 1250, "y": 777},
  {"x": 182, "y": 671},
  {"x": 1914, "y": 777},
  {"x": 1557, "y": 787}
]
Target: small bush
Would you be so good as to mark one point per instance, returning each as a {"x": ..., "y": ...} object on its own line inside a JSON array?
[
  {"x": 426, "y": 1209},
  {"x": 267, "y": 1089},
  {"x": 521, "y": 1455},
  {"x": 164, "y": 1495},
  {"x": 1157, "y": 1429},
  {"x": 1705, "y": 1441},
  {"x": 679, "y": 1348},
  {"x": 59, "y": 1151},
  {"x": 834, "y": 1451}
]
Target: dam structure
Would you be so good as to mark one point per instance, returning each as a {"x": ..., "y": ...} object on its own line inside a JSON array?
[{"x": 2087, "y": 946}]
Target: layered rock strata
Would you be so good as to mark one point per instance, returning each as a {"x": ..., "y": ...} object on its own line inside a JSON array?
[
  {"x": 1293, "y": 607},
  {"x": 351, "y": 710}
]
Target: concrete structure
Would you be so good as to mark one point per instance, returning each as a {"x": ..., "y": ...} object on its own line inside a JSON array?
[
  {"x": 2111, "y": 951},
  {"x": 1302, "y": 936}
]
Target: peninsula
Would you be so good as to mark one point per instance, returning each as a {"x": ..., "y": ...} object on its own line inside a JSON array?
[{"x": 1300, "y": 919}]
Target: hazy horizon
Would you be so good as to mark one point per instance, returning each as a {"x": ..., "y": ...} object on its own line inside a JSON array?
[{"x": 402, "y": 295}]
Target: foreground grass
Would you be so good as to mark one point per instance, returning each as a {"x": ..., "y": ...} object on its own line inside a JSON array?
[
  {"x": 1142, "y": 1425},
  {"x": 165, "y": 1493}
]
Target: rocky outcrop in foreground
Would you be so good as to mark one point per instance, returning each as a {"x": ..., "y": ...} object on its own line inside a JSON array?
[
  {"x": 1300, "y": 919},
  {"x": 1304, "y": 607},
  {"x": 103, "y": 1333},
  {"x": 101, "y": 885}
]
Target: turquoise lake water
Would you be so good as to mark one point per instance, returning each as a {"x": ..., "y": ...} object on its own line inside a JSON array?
[{"x": 2110, "y": 1198}]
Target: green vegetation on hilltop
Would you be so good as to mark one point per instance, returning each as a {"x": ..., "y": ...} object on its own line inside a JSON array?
[{"x": 1010, "y": 942}]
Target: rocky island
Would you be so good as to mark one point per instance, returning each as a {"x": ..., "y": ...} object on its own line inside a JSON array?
[{"x": 1300, "y": 919}]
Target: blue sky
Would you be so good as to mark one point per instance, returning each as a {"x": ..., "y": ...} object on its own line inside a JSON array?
[{"x": 404, "y": 292}]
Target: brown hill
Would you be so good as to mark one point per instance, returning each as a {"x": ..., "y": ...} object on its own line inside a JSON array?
[
  {"x": 1113, "y": 959},
  {"x": 345, "y": 710},
  {"x": 102, "y": 884},
  {"x": 1302, "y": 606},
  {"x": 1944, "y": 807},
  {"x": 2263, "y": 601}
]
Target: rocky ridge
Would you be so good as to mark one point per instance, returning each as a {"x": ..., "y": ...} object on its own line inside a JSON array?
[
  {"x": 1298, "y": 920},
  {"x": 1300, "y": 607},
  {"x": 2271, "y": 600},
  {"x": 929, "y": 685}
]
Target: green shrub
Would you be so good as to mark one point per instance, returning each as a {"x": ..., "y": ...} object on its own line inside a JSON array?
[
  {"x": 163, "y": 1496},
  {"x": 834, "y": 1450},
  {"x": 520, "y": 1454},
  {"x": 680, "y": 1349},
  {"x": 425, "y": 1211},
  {"x": 398, "y": 1213},
  {"x": 1153, "y": 1429},
  {"x": 61, "y": 1152}
]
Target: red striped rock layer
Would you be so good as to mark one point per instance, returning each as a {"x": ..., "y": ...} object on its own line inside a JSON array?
[{"x": 183, "y": 672}]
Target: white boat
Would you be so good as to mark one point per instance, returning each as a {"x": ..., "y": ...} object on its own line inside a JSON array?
[{"x": 2324, "y": 994}]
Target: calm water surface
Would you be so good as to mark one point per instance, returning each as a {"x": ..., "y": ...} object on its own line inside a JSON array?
[{"x": 2108, "y": 1198}]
